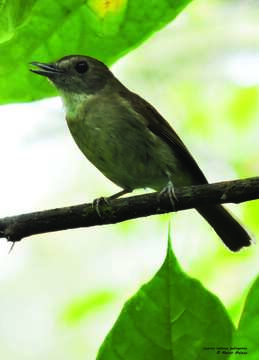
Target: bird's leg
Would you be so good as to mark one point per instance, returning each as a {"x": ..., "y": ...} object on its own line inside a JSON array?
[
  {"x": 106, "y": 200},
  {"x": 119, "y": 194},
  {"x": 169, "y": 191}
]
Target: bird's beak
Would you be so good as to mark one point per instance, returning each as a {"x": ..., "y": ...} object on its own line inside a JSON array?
[{"x": 45, "y": 69}]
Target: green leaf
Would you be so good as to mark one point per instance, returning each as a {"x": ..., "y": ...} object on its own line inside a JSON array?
[
  {"x": 12, "y": 15},
  {"x": 99, "y": 28},
  {"x": 171, "y": 317},
  {"x": 246, "y": 335}
]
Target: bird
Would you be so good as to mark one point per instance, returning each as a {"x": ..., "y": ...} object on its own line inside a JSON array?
[{"x": 127, "y": 139}]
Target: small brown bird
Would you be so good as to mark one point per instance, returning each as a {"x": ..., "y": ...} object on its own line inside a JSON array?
[{"x": 127, "y": 139}]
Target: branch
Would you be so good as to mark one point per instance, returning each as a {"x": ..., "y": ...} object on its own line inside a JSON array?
[{"x": 14, "y": 228}]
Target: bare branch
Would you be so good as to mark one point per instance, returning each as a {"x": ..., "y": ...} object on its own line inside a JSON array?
[{"x": 15, "y": 228}]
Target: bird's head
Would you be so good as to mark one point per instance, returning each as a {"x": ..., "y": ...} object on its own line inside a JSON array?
[{"x": 75, "y": 74}]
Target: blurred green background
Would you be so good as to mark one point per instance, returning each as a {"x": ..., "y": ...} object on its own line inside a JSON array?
[{"x": 60, "y": 293}]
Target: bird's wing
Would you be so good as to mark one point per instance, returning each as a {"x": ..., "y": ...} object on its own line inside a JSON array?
[{"x": 161, "y": 128}]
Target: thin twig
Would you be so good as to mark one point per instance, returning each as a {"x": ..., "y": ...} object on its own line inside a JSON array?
[{"x": 14, "y": 228}]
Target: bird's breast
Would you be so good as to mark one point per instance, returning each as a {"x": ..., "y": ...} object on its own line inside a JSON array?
[{"x": 116, "y": 140}]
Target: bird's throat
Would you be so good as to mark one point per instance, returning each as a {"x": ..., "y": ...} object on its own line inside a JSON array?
[{"x": 74, "y": 103}]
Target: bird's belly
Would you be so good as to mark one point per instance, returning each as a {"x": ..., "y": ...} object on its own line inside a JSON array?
[{"x": 127, "y": 156}]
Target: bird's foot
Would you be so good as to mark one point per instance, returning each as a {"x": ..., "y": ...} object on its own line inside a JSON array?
[
  {"x": 107, "y": 200},
  {"x": 169, "y": 191},
  {"x": 97, "y": 203}
]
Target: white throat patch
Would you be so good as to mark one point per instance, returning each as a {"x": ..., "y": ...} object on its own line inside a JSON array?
[{"x": 72, "y": 103}]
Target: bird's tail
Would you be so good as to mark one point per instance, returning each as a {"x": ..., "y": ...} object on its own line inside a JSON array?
[{"x": 228, "y": 229}]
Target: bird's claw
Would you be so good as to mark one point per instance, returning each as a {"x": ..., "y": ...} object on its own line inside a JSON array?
[
  {"x": 169, "y": 191},
  {"x": 99, "y": 201}
]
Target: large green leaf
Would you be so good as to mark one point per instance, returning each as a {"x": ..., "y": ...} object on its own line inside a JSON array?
[
  {"x": 51, "y": 29},
  {"x": 246, "y": 339},
  {"x": 171, "y": 317},
  {"x": 13, "y": 15}
]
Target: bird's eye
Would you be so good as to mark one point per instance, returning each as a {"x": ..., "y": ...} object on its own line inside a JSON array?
[{"x": 81, "y": 67}]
